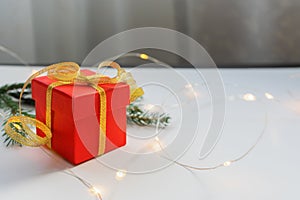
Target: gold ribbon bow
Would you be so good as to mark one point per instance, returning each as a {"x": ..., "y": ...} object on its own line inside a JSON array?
[{"x": 67, "y": 73}]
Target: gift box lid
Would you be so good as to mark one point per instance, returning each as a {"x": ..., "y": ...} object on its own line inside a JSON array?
[{"x": 77, "y": 98}]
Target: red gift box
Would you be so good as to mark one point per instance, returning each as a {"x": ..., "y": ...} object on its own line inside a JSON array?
[{"x": 75, "y": 117}]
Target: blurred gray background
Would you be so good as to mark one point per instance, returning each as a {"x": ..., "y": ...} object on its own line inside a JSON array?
[{"x": 234, "y": 32}]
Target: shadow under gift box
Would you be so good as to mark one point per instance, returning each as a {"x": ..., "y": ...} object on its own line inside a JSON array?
[{"x": 75, "y": 117}]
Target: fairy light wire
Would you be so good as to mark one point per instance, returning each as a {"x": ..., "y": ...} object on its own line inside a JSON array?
[
  {"x": 247, "y": 97},
  {"x": 227, "y": 163},
  {"x": 142, "y": 56},
  {"x": 92, "y": 188},
  {"x": 224, "y": 164},
  {"x": 69, "y": 172}
]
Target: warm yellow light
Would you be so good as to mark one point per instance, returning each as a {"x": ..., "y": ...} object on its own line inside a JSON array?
[
  {"x": 144, "y": 56},
  {"x": 249, "y": 97},
  {"x": 187, "y": 86},
  {"x": 156, "y": 146},
  {"x": 190, "y": 92},
  {"x": 156, "y": 139},
  {"x": 196, "y": 94},
  {"x": 227, "y": 163},
  {"x": 95, "y": 191},
  {"x": 17, "y": 126},
  {"x": 120, "y": 174},
  {"x": 269, "y": 96}
]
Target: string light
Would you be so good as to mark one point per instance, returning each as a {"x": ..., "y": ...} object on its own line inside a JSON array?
[
  {"x": 269, "y": 96},
  {"x": 196, "y": 94},
  {"x": 17, "y": 126},
  {"x": 91, "y": 188},
  {"x": 249, "y": 97},
  {"x": 190, "y": 92},
  {"x": 144, "y": 56},
  {"x": 157, "y": 145},
  {"x": 227, "y": 163},
  {"x": 94, "y": 190},
  {"x": 188, "y": 86},
  {"x": 120, "y": 175},
  {"x": 246, "y": 97}
]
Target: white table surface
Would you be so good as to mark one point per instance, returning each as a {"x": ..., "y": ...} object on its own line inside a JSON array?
[{"x": 270, "y": 171}]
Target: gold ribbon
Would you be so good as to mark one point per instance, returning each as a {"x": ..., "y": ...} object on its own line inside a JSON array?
[{"x": 67, "y": 73}]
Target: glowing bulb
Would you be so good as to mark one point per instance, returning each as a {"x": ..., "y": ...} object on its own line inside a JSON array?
[
  {"x": 120, "y": 174},
  {"x": 156, "y": 139},
  {"x": 249, "y": 97},
  {"x": 144, "y": 56},
  {"x": 95, "y": 190},
  {"x": 156, "y": 146},
  {"x": 17, "y": 126},
  {"x": 196, "y": 94},
  {"x": 190, "y": 92},
  {"x": 227, "y": 163},
  {"x": 188, "y": 86},
  {"x": 269, "y": 96}
]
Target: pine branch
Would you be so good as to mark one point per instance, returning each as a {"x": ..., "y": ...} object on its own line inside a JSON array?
[
  {"x": 136, "y": 115},
  {"x": 9, "y": 95}
]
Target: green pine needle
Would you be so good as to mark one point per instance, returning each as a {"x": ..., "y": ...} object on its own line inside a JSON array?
[
  {"x": 9, "y": 95},
  {"x": 138, "y": 116}
]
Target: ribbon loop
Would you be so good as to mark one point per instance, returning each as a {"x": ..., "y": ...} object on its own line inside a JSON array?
[
  {"x": 16, "y": 124},
  {"x": 65, "y": 71},
  {"x": 126, "y": 77}
]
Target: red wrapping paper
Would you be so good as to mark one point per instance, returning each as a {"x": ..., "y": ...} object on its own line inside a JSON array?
[{"x": 75, "y": 117}]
